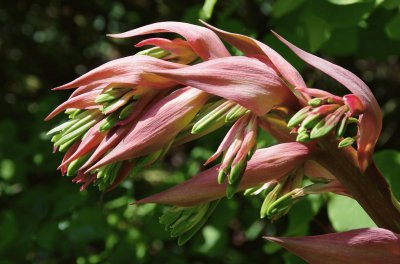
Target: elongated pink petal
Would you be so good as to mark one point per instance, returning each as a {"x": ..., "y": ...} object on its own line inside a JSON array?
[
  {"x": 249, "y": 140},
  {"x": 109, "y": 142},
  {"x": 251, "y": 46},
  {"x": 158, "y": 125},
  {"x": 68, "y": 154},
  {"x": 266, "y": 165},
  {"x": 91, "y": 140},
  {"x": 246, "y": 81},
  {"x": 229, "y": 137},
  {"x": 177, "y": 47},
  {"x": 202, "y": 40},
  {"x": 126, "y": 71},
  {"x": 370, "y": 121},
  {"x": 367, "y": 246},
  {"x": 82, "y": 101},
  {"x": 87, "y": 88}
]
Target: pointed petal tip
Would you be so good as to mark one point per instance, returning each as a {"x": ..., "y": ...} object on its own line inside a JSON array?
[{"x": 273, "y": 239}]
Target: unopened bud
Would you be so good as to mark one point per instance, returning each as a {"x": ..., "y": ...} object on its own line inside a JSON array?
[
  {"x": 127, "y": 110},
  {"x": 311, "y": 120},
  {"x": 75, "y": 165},
  {"x": 111, "y": 94},
  {"x": 235, "y": 113},
  {"x": 326, "y": 125},
  {"x": 303, "y": 137},
  {"x": 108, "y": 122},
  {"x": 269, "y": 199},
  {"x": 316, "y": 102},
  {"x": 299, "y": 116},
  {"x": 155, "y": 52},
  {"x": 346, "y": 142},
  {"x": 221, "y": 176},
  {"x": 211, "y": 118},
  {"x": 237, "y": 171},
  {"x": 282, "y": 205},
  {"x": 341, "y": 128}
]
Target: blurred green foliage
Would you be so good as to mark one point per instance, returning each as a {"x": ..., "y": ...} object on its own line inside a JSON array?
[{"x": 43, "y": 216}]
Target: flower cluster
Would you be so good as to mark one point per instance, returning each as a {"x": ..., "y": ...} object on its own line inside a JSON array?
[{"x": 128, "y": 113}]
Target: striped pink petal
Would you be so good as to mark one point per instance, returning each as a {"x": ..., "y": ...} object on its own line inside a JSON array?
[
  {"x": 246, "y": 81},
  {"x": 370, "y": 121},
  {"x": 266, "y": 165},
  {"x": 202, "y": 40},
  {"x": 91, "y": 140},
  {"x": 250, "y": 46},
  {"x": 127, "y": 71},
  {"x": 158, "y": 125},
  {"x": 177, "y": 47},
  {"x": 367, "y": 246},
  {"x": 82, "y": 101}
]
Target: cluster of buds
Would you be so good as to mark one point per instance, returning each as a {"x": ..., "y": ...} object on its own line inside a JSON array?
[
  {"x": 128, "y": 113},
  {"x": 325, "y": 114}
]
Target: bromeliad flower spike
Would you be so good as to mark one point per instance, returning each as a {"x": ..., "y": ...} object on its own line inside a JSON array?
[{"x": 125, "y": 115}]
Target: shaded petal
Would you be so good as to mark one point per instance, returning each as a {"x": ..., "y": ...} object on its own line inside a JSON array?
[
  {"x": 250, "y": 46},
  {"x": 177, "y": 47},
  {"x": 126, "y": 71},
  {"x": 266, "y": 165},
  {"x": 91, "y": 140},
  {"x": 229, "y": 138},
  {"x": 158, "y": 125},
  {"x": 109, "y": 142},
  {"x": 87, "y": 88},
  {"x": 370, "y": 121},
  {"x": 246, "y": 81},
  {"x": 82, "y": 101},
  {"x": 367, "y": 246},
  {"x": 202, "y": 40}
]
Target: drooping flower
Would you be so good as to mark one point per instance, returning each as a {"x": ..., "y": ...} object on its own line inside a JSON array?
[
  {"x": 371, "y": 117},
  {"x": 367, "y": 245},
  {"x": 265, "y": 165}
]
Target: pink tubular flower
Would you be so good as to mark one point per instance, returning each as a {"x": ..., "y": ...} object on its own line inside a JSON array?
[
  {"x": 203, "y": 41},
  {"x": 370, "y": 120},
  {"x": 237, "y": 79},
  {"x": 158, "y": 126},
  {"x": 266, "y": 165},
  {"x": 368, "y": 245}
]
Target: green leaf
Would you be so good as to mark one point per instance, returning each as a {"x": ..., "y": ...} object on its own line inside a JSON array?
[
  {"x": 392, "y": 28},
  {"x": 346, "y": 214},
  {"x": 391, "y": 4},
  {"x": 283, "y": 7},
  {"x": 317, "y": 29},
  {"x": 388, "y": 162}
]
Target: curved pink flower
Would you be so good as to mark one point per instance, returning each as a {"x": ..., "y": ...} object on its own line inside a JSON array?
[
  {"x": 246, "y": 81},
  {"x": 266, "y": 165},
  {"x": 202, "y": 40},
  {"x": 179, "y": 49},
  {"x": 128, "y": 71},
  {"x": 158, "y": 125},
  {"x": 370, "y": 120},
  {"x": 250, "y": 46},
  {"x": 367, "y": 246}
]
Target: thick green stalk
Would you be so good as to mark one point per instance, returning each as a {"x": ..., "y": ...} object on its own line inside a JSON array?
[{"x": 370, "y": 189}]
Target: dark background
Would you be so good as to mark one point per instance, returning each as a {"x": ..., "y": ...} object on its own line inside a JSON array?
[{"x": 43, "y": 216}]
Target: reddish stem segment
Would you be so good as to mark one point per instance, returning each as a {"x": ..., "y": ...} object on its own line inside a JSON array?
[{"x": 370, "y": 188}]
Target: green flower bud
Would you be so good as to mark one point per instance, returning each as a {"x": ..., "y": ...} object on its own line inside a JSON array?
[
  {"x": 299, "y": 116},
  {"x": 346, "y": 142}
]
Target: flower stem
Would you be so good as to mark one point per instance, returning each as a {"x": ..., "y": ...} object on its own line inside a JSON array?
[{"x": 370, "y": 189}]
